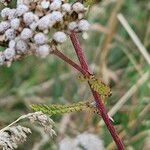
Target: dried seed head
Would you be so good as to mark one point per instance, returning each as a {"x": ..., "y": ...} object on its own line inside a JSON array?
[
  {"x": 83, "y": 25},
  {"x": 43, "y": 120},
  {"x": 60, "y": 37},
  {"x": 13, "y": 136},
  {"x": 9, "y": 53},
  {"x": 10, "y": 34},
  {"x": 43, "y": 50},
  {"x": 15, "y": 23},
  {"x": 40, "y": 38},
  {"x": 26, "y": 34}
]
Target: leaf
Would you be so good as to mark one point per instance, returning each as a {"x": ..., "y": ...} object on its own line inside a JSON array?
[
  {"x": 61, "y": 109},
  {"x": 97, "y": 85}
]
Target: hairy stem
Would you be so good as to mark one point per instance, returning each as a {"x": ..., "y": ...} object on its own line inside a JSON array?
[{"x": 100, "y": 105}]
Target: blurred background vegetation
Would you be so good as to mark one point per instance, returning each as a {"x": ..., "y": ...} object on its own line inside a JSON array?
[{"x": 112, "y": 55}]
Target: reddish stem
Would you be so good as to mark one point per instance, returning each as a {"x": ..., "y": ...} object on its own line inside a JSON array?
[
  {"x": 97, "y": 98},
  {"x": 68, "y": 60}
]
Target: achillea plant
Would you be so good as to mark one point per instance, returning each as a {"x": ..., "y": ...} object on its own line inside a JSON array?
[
  {"x": 26, "y": 28},
  {"x": 37, "y": 27}
]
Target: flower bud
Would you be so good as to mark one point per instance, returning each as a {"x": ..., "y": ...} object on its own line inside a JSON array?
[
  {"x": 26, "y": 34},
  {"x": 60, "y": 37},
  {"x": 40, "y": 38},
  {"x": 9, "y": 53},
  {"x": 78, "y": 7},
  {"x": 43, "y": 50}
]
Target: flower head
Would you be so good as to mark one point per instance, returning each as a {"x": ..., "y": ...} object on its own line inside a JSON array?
[{"x": 27, "y": 27}]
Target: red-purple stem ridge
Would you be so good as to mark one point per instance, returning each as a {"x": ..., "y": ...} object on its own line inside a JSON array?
[{"x": 100, "y": 105}]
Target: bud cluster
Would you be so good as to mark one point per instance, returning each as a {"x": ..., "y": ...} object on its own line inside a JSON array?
[{"x": 35, "y": 26}]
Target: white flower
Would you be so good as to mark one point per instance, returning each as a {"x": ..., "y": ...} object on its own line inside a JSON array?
[
  {"x": 56, "y": 16},
  {"x": 26, "y": 34},
  {"x": 66, "y": 7},
  {"x": 12, "y": 44},
  {"x": 40, "y": 38},
  {"x": 5, "y": 12},
  {"x": 33, "y": 26},
  {"x": 27, "y": 27},
  {"x": 60, "y": 37},
  {"x": 90, "y": 141},
  {"x": 10, "y": 34},
  {"x": 85, "y": 141},
  {"x": 15, "y": 23},
  {"x": 43, "y": 51},
  {"x": 52, "y": 20},
  {"x": 11, "y": 14},
  {"x": 36, "y": 18},
  {"x": 55, "y": 5},
  {"x": 4, "y": 25},
  {"x": 45, "y": 4},
  {"x": 9, "y": 53},
  {"x": 28, "y": 18},
  {"x": 21, "y": 47},
  {"x": 78, "y": 7},
  {"x": 44, "y": 22},
  {"x": 26, "y": 2},
  {"x": 83, "y": 25},
  {"x": 21, "y": 9},
  {"x": 72, "y": 25}
]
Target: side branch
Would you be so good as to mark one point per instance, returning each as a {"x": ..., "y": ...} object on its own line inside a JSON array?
[{"x": 68, "y": 60}]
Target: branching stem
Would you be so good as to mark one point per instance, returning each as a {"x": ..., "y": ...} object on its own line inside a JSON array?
[
  {"x": 100, "y": 105},
  {"x": 68, "y": 60},
  {"x": 84, "y": 69}
]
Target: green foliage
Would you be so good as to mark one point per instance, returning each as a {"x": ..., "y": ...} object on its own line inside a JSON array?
[
  {"x": 61, "y": 109},
  {"x": 97, "y": 85}
]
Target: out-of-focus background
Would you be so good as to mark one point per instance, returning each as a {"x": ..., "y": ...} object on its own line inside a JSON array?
[{"x": 115, "y": 54}]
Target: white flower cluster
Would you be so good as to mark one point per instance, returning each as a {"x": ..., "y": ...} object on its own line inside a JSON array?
[
  {"x": 27, "y": 27},
  {"x": 85, "y": 140}
]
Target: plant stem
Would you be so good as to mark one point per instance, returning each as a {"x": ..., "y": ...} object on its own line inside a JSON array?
[
  {"x": 68, "y": 60},
  {"x": 100, "y": 105}
]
